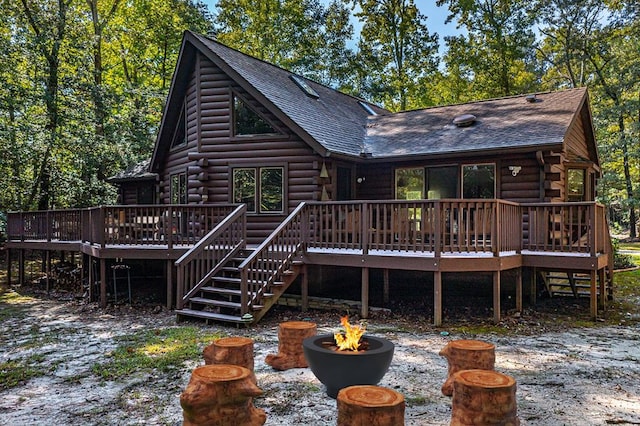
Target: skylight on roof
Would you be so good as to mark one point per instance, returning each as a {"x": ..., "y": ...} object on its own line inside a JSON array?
[
  {"x": 306, "y": 88},
  {"x": 367, "y": 108}
]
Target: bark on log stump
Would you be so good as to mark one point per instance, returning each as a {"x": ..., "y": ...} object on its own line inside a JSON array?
[
  {"x": 290, "y": 353},
  {"x": 231, "y": 350},
  {"x": 467, "y": 355},
  {"x": 368, "y": 405},
  {"x": 221, "y": 394},
  {"x": 484, "y": 397}
]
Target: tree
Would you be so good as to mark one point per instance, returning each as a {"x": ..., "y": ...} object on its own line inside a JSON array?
[
  {"x": 299, "y": 35},
  {"x": 497, "y": 47},
  {"x": 587, "y": 42},
  {"x": 397, "y": 53}
]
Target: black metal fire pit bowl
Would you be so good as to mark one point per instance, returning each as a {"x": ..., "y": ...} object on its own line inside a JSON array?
[{"x": 339, "y": 369}]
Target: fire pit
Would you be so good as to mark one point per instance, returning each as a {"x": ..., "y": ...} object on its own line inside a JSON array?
[{"x": 365, "y": 363}]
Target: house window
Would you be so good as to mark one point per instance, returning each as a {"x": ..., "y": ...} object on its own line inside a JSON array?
[
  {"x": 180, "y": 134},
  {"x": 260, "y": 188},
  {"x": 442, "y": 182},
  {"x": 410, "y": 184},
  {"x": 575, "y": 184},
  {"x": 179, "y": 188},
  {"x": 479, "y": 181},
  {"x": 248, "y": 122}
]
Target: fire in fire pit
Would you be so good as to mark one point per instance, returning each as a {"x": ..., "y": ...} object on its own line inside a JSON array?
[
  {"x": 349, "y": 339},
  {"x": 364, "y": 361}
]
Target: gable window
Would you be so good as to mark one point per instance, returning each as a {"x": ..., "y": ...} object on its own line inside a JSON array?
[
  {"x": 260, "y": 188},
  {"x": 479, "y": 181},
  {"x": 248, "y": 122},
  {"x": 179, "y": 188},
  {"x": 576, "y": 185},
  {"x": 180, "y": 134}
]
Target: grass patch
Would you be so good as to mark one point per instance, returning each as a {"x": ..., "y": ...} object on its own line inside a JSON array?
[
  {"x": 14, "y": 373},
  {"x": 163, "y": 350},
  {"x": 12, "y": 304}
]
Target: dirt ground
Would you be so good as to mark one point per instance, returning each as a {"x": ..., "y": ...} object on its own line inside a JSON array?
[{"x": 565, "y": 376}]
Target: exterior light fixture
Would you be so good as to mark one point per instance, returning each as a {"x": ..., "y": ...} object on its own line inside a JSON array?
[{"x": 515, "y": 170}]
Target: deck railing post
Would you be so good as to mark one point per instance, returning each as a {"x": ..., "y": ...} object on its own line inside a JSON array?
[
  {"x": 168, "y": 231},
  {"x": 364, "y": 227},
  {"x": 437, "y": 247},
  {"x": 593, "y": 234},
  {"x": 48, "y": 225},
  {"x": 497, "y": 228},
  {"x": 99, "y": 232}
]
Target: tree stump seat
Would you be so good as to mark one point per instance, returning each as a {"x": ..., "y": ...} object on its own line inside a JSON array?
[
  {"x": 466, "y": 355},
  {"x": 231, "y": 350},
  {"x": 290, "y": 352},
  {"x": 369, "y": 405},
  {"x": 221, "y": 394},
  {"x": 483, "y": 397}
]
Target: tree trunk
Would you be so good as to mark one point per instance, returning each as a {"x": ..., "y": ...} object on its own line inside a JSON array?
[
  {"x": 483, "y": 397},
  {"x": 367, "y": 405},
  {"x": 290, "y": 352},
  {"x": 221, "y": 394},
  {"x": 466, "y": 355}
]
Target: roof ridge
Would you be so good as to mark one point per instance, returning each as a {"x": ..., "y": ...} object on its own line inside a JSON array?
[{"x": 503, "y": 98}]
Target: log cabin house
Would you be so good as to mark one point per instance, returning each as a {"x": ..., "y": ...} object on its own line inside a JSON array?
[{"x": 260, "y": 178}]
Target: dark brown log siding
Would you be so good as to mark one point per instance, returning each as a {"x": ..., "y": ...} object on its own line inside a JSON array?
[{"x": 210, "y": 137}]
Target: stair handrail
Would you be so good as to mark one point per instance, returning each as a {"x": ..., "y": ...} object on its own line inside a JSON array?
[
  {"x": 260, "y": 270},
  {"x": 196, "y": 267}
]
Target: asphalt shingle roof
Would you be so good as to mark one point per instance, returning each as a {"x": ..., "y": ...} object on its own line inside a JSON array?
[{"x": 504, "y": 123}]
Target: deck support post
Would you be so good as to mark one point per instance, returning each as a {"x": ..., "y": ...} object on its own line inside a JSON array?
[
  {"x": 385, "y": 287},
  {"x": 170, "y": 285},
  {"x": 8, "y": 267},
  {"x": 593, "y": 303},
  {"x": 437, "y": 298},
  {"x": 496, "y": 297},
  {"x": 91, "y": 277},
  {"x": 603, "y": 288},
  {"x": 103, "y": 283},
  {"x": 533, "y": 288},
  {"x": 519, "y": 289},
  {"x": 365, "y": 293},
  {"x": 305, "y": 289},
  {"x": 47, "y": 262},
  {"x": 21, "y": 271}
]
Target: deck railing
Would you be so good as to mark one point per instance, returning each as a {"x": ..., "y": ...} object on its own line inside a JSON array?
[
  {"x": 436, "y": 226},
  {"x": 272, "y": 258},
  {"x": 439, "y": 226},
  {"x": 565, "y": 227},
  {"x": 196, "y": 267},
  {"x": 131, "y": 225}
]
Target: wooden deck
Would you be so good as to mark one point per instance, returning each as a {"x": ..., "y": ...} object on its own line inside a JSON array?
[{"x": 437, "y": 236}]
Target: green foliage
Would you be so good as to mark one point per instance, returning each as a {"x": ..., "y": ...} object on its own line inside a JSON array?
[
  {"x": 397, "y": 53},
  {"x": 300, "y": 35},
  {"x": 84, "y": 84},
  {"x": 162, "y": 350}
]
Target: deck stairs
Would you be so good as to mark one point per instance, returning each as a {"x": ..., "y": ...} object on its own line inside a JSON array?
[
  {"x": 220, "y": 300},
  {"x": 574, "y": 284}
]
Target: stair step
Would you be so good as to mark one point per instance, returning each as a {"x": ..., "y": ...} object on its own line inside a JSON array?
[
  {"x": 229, "y": 291},
  {"x": 212, "y": 316},
  {"x": 221, "y": 303},
  {"x": 213, "y": 302}
]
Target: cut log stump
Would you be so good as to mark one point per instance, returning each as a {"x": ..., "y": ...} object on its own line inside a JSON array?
[
  {"x": 290, "y": 353},
  {"x": 483, "y": 397},
  {"x": 467, "y": 355},
  {"x": 221, "y": 394},
  {"x": 231, "y": 350},
  {"x": 368, "y": 405}
]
